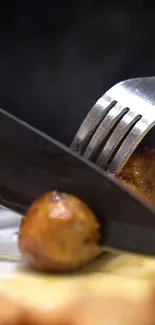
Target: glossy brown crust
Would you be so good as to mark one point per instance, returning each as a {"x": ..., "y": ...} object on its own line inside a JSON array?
[
  {"x": 59, "y": 232},
  {"x": 139, "y": 174},
  {"x": 110, "y": 303}
]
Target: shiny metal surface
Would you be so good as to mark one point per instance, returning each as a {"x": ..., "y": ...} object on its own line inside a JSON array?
[
  {"x": 117, "y": 123},
  {"x": 9, "y": 245},
  {"x": 9, "y": 218},
  {"x": 9, "y": 225}
]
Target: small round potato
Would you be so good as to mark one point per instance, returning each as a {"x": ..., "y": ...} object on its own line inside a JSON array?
[{"x": 59, "y": 233}]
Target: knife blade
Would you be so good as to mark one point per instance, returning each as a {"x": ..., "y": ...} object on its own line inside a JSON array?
[{"x": 32, "y": 163}]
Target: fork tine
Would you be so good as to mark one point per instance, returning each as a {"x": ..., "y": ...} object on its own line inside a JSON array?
[
  {"x": 7, "y": 256},
  {"x": 9, "y": 251},
  {"x": 114, "y": 115},
  {"x": 110, "y": 139},
  {"x": 91, "y": 123},
  {"x": 9, "y": 244},
  {"x": 120, "y": 132},
  {"x": 133, "y": 139}
]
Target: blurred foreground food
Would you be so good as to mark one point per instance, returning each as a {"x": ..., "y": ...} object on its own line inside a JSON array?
[{"x": 108, "y": 300}]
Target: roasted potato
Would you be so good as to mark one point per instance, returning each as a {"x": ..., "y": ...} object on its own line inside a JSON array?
[{"x": 59, "y": 232}]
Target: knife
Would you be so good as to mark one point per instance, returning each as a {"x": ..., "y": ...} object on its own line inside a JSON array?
[{"x": 32, "y": 163}]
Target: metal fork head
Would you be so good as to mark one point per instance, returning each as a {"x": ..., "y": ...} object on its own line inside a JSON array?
[
  {"x": 117, "y": 123},
  {"x": 9, "y": 244}
]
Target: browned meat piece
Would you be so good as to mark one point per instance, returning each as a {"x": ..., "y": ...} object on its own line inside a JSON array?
[
  {"x": 139, "y": 174},
  {"x": 59, "y": 232}
]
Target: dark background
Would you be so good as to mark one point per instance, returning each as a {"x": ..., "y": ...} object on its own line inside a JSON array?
[{"x": 57, "y": 58}]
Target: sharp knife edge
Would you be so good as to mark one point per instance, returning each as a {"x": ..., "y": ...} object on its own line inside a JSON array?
[{"x": 32, "y": 163}]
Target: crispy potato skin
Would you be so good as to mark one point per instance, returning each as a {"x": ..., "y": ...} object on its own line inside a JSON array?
[
  {"x": 139, "y": 174},
  {"x": 59, "y": 233}
]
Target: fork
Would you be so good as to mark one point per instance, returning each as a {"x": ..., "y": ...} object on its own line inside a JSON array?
[
  {"x": 117, "y": 123},
  {"x": 9, "y": 244},
  {"x": 9, "y": 227}
]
